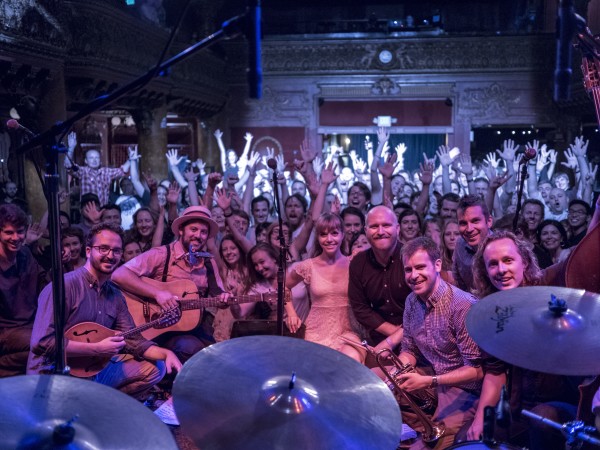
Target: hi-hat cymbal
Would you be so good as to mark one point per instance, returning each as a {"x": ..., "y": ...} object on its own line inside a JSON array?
[
  {"x": 242, "y": 394},
  {"x": 520, "y": 327},
  {"x": 101, "y": 417}
]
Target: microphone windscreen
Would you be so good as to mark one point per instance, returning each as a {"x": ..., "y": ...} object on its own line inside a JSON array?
[
  {"x": 12, "y": 123},
  {"x": 272, "y": 163}
]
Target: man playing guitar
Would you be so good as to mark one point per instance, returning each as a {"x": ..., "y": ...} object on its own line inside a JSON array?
[
  {"x": 91, "y": 298},
  {"x": 181, "y": 260}
]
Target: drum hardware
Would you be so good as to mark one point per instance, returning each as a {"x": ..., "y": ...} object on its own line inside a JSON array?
[{"x": 575, "y": 431}]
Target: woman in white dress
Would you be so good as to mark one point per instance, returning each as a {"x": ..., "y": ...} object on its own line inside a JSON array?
[{"x": 326, "y": 277}]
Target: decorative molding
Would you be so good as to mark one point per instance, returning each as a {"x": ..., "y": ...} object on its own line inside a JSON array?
[
  {"x": 484, "y": 54},
  {"x": 276, "y": 106},
  {"x": 486, "y": 102},
  {"x": 385, "y": 86}
]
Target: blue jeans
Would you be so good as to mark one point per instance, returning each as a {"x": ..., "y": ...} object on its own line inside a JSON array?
[{"x": 130, "y": 376}]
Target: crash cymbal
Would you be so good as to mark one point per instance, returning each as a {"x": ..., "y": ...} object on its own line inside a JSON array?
[
  {"x": 242, "y": 393},
  {"x": 34, "y": 407},
  {"x": 520, "y": 327}
]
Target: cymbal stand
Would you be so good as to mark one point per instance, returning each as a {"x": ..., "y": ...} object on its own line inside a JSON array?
[{"x": 576, "y": 432}]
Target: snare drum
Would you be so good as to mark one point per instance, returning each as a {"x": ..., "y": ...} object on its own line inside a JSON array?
[{"x": 478, "y": 445}]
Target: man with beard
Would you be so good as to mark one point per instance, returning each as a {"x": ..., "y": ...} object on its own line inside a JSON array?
[
  {"x": 183, "y": 259},
  {"x": 21, "y": 279},
  {"x": 136, "y": 364},
  {"x": 377, "y": 289}
]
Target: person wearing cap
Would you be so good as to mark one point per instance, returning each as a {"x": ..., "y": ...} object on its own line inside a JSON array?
[{"x": 183, "y": 259}]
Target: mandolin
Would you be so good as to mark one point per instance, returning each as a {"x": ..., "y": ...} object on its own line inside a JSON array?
[{"x": 91, "y": 332}]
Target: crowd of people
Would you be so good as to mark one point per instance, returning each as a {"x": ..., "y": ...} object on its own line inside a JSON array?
[{"x": 373, "y": 252}]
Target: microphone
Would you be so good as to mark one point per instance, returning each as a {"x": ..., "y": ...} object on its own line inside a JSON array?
[
  {"x": 528, "y": 154},
  {"x": 12, "y": 124},
  {"x": 272, "y": 164},
  {"x": 253, "y": 35},
  {"x": 565, "y": 28},
  {"x": 503, "y": 416}
]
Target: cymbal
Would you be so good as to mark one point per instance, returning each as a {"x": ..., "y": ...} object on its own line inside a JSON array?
[
  {"x": 237, "y": 394},
  {"x": 102, "y": 417},
  {"x": 518, "y": 326}
]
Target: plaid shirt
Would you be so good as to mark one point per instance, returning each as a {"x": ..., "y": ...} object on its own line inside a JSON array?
[
  {"x": 436, "y": 329},
  {"x": 97, "y": 181}
]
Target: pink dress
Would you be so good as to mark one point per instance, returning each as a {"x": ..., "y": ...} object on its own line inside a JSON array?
[{"x": 330, "y": 314}]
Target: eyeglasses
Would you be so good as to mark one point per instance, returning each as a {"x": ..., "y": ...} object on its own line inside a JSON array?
[{"x": 105, "y": 250}]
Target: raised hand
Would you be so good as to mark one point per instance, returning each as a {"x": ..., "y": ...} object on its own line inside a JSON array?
[
  {"x": 368, "y": 144},
  {"x": 71, "y": 141},
  {"x": 201, "y": 165},
  {"x": 318, "y": 165},
  {"x": 280, "y": 163},
  {"x": 132, "y": 153},
  {"x": 308, "y": 154},
  {"x": 492, "y": 160},
  {"x": 214, "y": 179},
  {"x": 190, "y": 176},
  {"x": 336, "y": 205},
  {"x": 443, "y": 154},
  {"x": 269, "y": 155},
  {"x": 173, "y": 193},
  {"x": 328, "y": 175},
  {"x": 223, "y": 199},
  {"x": 353, "y": 155},
  {"x": 571, "y": 160},
  {"x": 92, "y": 213},
  {"x": 252, "y": 160},
  {"x": 383, "y": 135},
  {"x": 427, "y": 167},
  {"x": 579, "y": 147},
  {"x": 387, "y": 169},
  {"x": 173, "y": 157},
  {"x": 464, "y": 164},
  {"x": 360, "y": 165},
  {"x": 248, "y": 137},
  {"x": 590, "y": 176},
  {"x": 401, "y": 149},
  {"x": 34, "y": 233},
  {"x": 498, "y": 180},
  {"x": 218, "y": 134},
  {"x": 509, "y": 149}
]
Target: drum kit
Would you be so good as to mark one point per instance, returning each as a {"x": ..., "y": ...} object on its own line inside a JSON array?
[{"x": 279, "y": 392}]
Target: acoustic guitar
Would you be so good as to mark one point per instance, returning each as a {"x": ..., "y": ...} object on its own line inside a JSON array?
[
  {"x": 91, "y": 332},
  {"x": 144, "y": 309}
]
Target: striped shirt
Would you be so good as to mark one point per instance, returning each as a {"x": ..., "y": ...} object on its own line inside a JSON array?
[{"x": 436, "y": 329}]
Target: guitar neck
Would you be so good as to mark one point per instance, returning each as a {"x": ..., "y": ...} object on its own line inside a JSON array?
[{"x": 200, "y": 303}]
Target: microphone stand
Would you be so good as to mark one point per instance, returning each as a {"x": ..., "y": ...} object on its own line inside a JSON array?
[
  {"x": 229, "y": 29},
  {"x": 520, "y": 194},
  {"x": 282, "y": 257}
]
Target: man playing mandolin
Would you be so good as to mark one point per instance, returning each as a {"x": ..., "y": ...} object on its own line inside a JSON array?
[
  {"x": 180, "y": 261},
  {"x": 95, "y": 304}
]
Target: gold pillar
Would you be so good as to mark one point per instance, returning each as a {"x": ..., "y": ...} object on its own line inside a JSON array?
[
  {"x": 51, "y": 109},
  {"x": 152, "y": 140}
]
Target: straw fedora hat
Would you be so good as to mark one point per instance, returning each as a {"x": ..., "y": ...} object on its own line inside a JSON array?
[{"x": 195, "y": 213}]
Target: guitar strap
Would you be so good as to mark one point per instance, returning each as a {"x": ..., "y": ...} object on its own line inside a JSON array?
[{"x": 146, "y": 305}]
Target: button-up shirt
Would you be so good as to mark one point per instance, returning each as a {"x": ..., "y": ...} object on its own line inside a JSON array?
[
  {"x": 85, "y": 301},
  {"x": 97, "y": 181},
  {"x": 377, "y": 293},
  {"x": 435, "y": 328}
]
